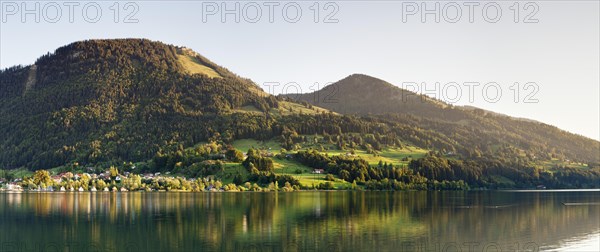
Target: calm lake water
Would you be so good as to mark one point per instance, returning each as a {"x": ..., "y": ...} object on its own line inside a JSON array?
[{"x": 301, "y": 221}]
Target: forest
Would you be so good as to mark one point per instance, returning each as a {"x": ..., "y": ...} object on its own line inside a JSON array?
[{"x": 102, "y": 103}]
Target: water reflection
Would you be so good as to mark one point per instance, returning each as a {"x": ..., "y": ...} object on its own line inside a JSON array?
[{"x": 333, "y": 221}]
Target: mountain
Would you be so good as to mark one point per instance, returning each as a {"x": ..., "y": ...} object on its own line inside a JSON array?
[
  {"x": 363, "y": 94},
  {"x": 99, "y": 100},
  {"x": 99, "y": 103},
  {"x": 465, "y": 129}
]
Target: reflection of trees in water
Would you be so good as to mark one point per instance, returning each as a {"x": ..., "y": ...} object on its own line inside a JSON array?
[
  {"x": 508, "y": 217},
  {"x": 358, "y": 220},
  {"x": 106, "y": 218}
]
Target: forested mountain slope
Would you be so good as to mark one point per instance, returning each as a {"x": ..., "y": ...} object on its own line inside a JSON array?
[
  {"x": 470, "y": 131},
  {"x": 102, "y": 99},
  {"x": 105, "y": 102}
]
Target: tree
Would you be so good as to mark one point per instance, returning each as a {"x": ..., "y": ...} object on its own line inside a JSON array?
[
  {"x": 254, "y": 160},
  {"x": 68, "y": 175},
  {"x": 100, "y": 184},
  {"x": 345, "y": 175},
  {"x": 237, "y": 179},
  {"x": 273, "y": 186},
  {"x": 9, "y": 176},
  {"x": 218, "y": 184},
  {"x": 132, "y": 182},
  {"x": 234, "y": 155},
  {"x": 85, "y": 181},
  {"x": 114, "y": 172},
  {"x": 326, "y": 186},
  {"x": 42, "y": 177},
  {"x": 173, "y": 184},
  {"x": 287, "y": 187},
  {"x": 329, "y": 177}
]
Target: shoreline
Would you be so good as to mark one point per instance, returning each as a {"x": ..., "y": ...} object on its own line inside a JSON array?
[{"x": 341, "y": 190}]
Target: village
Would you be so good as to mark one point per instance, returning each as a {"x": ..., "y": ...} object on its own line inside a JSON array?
[
  {"x": 110, "y": 181},
  {"x": 113, "y": 181}
]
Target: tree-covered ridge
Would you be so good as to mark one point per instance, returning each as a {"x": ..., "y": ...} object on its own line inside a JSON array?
[
  {"x": 99, "y": 100},
  {"x": 471, "y": 132},
  {"x": 362, "y": 95},
  {"x": 101, "y": 103}
]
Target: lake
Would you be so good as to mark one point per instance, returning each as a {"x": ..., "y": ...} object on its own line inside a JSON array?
[{"x": 301, "y": 221}]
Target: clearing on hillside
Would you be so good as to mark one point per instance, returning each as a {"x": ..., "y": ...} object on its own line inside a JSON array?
[{"x": 194, "y": 66}]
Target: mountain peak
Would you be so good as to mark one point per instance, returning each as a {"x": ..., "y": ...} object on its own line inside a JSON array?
[
  {"x": 133, "y": 53},
  {"x": 134, "y": 56},
  {"x": 364, "y": 94},
  {"x": 359, "y": 80},
  {"x": 147, "y": 92}
]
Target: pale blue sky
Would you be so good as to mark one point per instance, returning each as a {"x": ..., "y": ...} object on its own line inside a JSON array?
[{"x": 560, "y": 53}]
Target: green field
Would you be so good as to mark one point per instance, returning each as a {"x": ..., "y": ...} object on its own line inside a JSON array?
[
  {"x": 551, "y": 164},
  {"x": 312, "y": 180},
  {"x": 285, "y": 166},
  {"x": 229, "y": 172},
  {"x": 287, "y": 108},
  {"x": 307, "y": 177},
  {"x": 245, "y": 144},
  {"x": 390, "y": 155},
  {"x": 193, "y": 66},
  {"x": 18, "y": 173}
]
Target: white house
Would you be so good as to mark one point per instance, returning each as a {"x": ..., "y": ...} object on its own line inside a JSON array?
[{"x": 13, "y": 187}]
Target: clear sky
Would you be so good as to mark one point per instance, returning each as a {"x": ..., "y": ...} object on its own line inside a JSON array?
[{"x": 554, "y": 46}]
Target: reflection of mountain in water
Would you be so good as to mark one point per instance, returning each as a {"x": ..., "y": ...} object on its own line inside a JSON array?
[{"x": 300, "y": 221}]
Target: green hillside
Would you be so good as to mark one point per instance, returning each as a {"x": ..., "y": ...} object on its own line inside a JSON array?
[
  {"x": 101, "y": 100},
  {"x": 469, "y": 131},
  {"x": 95, "y": 104}
]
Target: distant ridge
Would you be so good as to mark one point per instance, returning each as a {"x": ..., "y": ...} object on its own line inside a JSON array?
[{"x": 466, "y": 126}]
